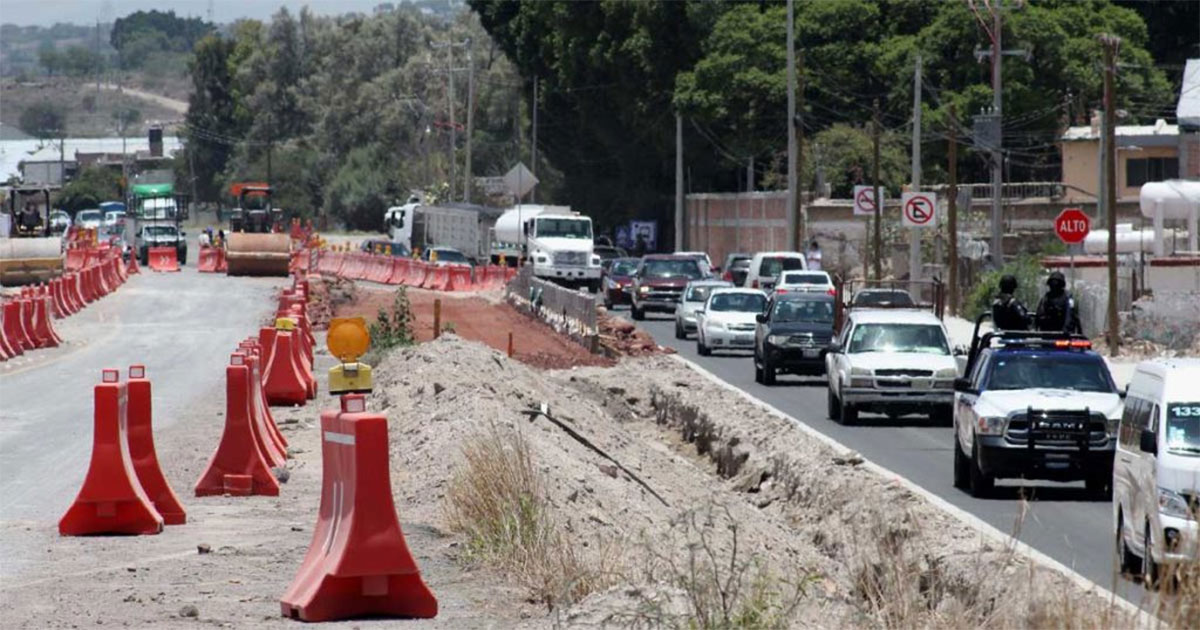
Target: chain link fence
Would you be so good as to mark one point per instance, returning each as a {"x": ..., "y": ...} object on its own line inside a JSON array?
[{"x": 570, "y": 312}]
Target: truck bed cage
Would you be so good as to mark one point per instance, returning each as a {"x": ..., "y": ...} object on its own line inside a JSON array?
[{"x": 844, "y": 292}]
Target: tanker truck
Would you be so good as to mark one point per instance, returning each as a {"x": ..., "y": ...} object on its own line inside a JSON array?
[{"x": 554, "y": 240}]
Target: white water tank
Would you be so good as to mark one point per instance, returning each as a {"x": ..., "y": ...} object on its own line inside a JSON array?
[
  {"x": 1175, "y": 198},
  {"x": 1129, "y": 241}
]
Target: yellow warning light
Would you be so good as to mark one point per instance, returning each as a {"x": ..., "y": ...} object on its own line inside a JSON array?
[
  {"x": 285, "y": 323},
  {"x": 347, "y": 338}
]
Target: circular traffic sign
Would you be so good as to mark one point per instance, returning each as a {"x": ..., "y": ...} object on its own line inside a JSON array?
[
  {"x": 347, "y": 338},
  {"x": 1072, "y": 225},
  {"x": 866, "y": 199},
  {"x": 919, "y": 210}
]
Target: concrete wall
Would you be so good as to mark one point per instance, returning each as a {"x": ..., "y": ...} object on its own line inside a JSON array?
[
  {"x": 724, "y": 223},
  {"x": 1081, "y": 164}
]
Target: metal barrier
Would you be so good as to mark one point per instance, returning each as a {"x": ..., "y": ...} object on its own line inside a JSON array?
[{"x": 572, "y": 313}]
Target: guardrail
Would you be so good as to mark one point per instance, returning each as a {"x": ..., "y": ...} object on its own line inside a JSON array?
[{"x": 570, "y": 312}]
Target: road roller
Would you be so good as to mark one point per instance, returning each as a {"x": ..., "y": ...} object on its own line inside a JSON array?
[
  {"x": 29, "y": 253},
  {"x": 248, "y": 254}
]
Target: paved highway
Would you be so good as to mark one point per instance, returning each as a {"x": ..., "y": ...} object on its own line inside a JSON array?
[
  {"x": 181, "y": 326},
  {"x": 1061, "y": 521}
]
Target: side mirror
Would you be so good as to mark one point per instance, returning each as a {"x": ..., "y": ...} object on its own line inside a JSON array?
[
  {"x": 761, "y": 318},
  {"x": 1149, "y": 442},
  {"x": 1124, "y": 392},
  {"x": 962, "y": 385},
  {"x": 960, "y": 350},
  {"x": 834, "y": 347}
]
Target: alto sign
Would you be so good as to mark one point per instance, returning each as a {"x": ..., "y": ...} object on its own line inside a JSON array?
[{"x": 1072, "y": 226}]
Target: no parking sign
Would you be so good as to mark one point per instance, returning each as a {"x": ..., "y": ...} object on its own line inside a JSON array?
[{"x": 919, "y": 210}]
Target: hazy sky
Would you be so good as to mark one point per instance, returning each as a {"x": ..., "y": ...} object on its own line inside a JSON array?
[{"x": 47, "y": 12}]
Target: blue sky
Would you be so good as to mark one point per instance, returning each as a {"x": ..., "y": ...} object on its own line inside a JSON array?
[{"x": 47, "y": 12}]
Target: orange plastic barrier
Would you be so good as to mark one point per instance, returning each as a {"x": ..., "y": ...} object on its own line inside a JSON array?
[
  {"x": 258, "y": 398},
  {"x": 459, "y": 278},
  {"x": 132, "y": 267},
  {"x": 43, "y": 330},
  {"x": 75, "y": 258},
  {"x": 9, "y": 346},
  {"x": 399, "y": 271},
  {"x": 111, "y": 500},
  {"x": 238, "y": 466},
  {"x": 358, "y": 562},
  {"x": 207, "y": 263},
  {"x": 163, "y": 259},
  {"x": 75, "y": 291},
  {"x": 141, "y": 449},
  {"x": 88, "y": 285},
  {"x": 283, "y": 380},
  {"x": 437, "y": 278},
  {"x": 417, "y": 271}
]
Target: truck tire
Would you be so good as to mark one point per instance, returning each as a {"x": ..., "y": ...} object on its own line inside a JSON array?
[
  {"x": 848, "y": 415},
  {"x": 982, "y": 484},
  {"x": 181, "y": 255},
  {"x": 1150, "y": 569},
  {"x": 1130, "y": 564},
  {"x": 962, "y": 471},
  {"x": 637, "y": 313},
  {"x": 833, "y": 406},
  {"x": 942, "y": 415},
  {"x": 679, "y": 332},
  {"x": 768, "y": 372},
  {"x": 702, "y": 349},
  {"x": 1099, "y": 486}
]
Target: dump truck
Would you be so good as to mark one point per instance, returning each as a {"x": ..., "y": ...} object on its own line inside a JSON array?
[
  {"x": 29, "y": 252},
  {"x": 152, "y": 209},
  {"x": 256, "y": 246},
  {"x": 464, "y": 227}
]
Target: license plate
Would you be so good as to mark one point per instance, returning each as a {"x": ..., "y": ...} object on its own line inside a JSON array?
[
  {"x": 812, "y": 353},
  {"x": 742, "y": 341}
]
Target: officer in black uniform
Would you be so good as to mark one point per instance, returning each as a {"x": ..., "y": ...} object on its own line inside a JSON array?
[
  {"x": 1056, "y": 312},
  {"x": 1008, "y": 313}
]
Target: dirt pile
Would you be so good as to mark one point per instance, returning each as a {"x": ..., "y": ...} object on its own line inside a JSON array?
[
  {"x": 621, "y": 338},
  {"x": 329, "y": 294}
]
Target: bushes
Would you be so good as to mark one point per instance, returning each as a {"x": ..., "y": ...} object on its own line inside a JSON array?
[
  {"x": 1029, "y": 286},
  {"x": 393, "y": 327}
]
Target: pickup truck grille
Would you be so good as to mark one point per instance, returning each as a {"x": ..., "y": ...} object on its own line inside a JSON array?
[
  {"x": 742, "y": 327},
  {"x": 1057, "y": 428},
  {"x": 903, "y": 372},
  {"x": 571, "y": 258},
  {"x": 809, "y": 341},
  {"x": 664, "y": 293}
]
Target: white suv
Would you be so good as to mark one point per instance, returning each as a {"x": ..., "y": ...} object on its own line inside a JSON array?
[{"x": 893, "y": 362}]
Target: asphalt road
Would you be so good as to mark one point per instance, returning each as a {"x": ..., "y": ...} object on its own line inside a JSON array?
[
  {"x": 1060, "y": 520},
  {"x": 181, "y": 326}
]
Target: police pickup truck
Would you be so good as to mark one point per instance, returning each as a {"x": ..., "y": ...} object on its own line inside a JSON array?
[{"x": 1034, "y": 406}]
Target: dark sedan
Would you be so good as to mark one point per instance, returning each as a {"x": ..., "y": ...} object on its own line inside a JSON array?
[
  {"x": 792, "y": 335},
  {"x": 617, "y": 280}
]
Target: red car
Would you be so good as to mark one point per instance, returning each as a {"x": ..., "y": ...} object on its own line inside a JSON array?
[
  {"x": 617, "y": 280},
  {"x": 659, "y": 282}
]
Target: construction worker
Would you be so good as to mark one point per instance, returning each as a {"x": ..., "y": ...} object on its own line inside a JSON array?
[
  {"x": 1056, "y": 312},
  {"x": 1008, "y": 313}
]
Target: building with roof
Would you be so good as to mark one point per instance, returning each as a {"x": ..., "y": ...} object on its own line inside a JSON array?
[{"x": 1187, "y": 114}]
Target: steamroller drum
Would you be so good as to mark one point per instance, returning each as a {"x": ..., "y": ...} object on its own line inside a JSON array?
[
  {"x": 30, "y": 260},
  {"x": 258, "y": 254}
]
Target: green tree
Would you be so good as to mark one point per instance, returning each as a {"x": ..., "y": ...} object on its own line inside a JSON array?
[
  {"x": 49, "y": 58},
  {"x": 89, "y": 188},
  {"x": 211, "y": 126},
  {"x": 846, "y": 155},
  {"x": 44, "y": 120},
  {"x": 142, "y": 33}
]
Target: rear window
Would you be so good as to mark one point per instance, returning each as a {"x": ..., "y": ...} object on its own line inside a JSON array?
[
  {"x": 883, "y": 298},
  {"x": 740, "y": 263},
  {"x": 738, "y": 302},
  {"x": 771, "y": 267},
  {"x": 89, "y": 215},
  {"x": 698, "y": 294},
  {"x": 805, "y": 278}
]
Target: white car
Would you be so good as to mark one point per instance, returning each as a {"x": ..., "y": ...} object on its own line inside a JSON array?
[
  {"x": 695, "y": 294},
  {"x": 765, "y": 267},
  {"x": 804, "y": 282},
  {"x": 89, "y": 219},
  {"x": 708, "y": 266},
  {"x": 892, "y": 362},
  {"x": 728, "y": 320},
  {"x": 1156, "y": 475},
  {"x": 113, "y": 217}
]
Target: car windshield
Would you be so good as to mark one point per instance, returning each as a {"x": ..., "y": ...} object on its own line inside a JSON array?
[
  {"x": 1183, "y": 428},
  {"x": 678, "y": 268},
  {"x": 89, "y": 215},
  {"x": 698, "y": 294},
  {"x": 805, "y": 278},
  {"x": 914, "y": 338},
  {"x": 623, "y": 268},
  {"x": 738, "y": 303},
  {"x": 160, "y": 230},
  {"x": 1082, "y": 374},
  {"x": 773, "y": 265},
  {"x": 741, "y": 263},
  {"x": 113, "y": 216},
  {"x": 807, "y": 311},
  {"x": 450, "y": 255},
  {"x": 564, "y": 228},
  {"x": 890, "y": 297}
]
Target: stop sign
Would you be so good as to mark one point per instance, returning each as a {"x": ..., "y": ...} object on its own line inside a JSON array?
[{"x": 1072, "y": 225}]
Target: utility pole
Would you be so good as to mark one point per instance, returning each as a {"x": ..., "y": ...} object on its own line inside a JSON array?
[
  {"x": 750, "y": 174},
  {"x": 679, "y": 227},
  {"x": 914, "y": 234},
  {"x": 1111, "y": 44},
  {"x": 802, "y": 214},
  {"x": 470, "y": 121},
  {"x": 878, "y": 249},
  {"x": 793, "y": 195},
  {"x": 952, "y": 151},
  {"x": 533, "y": 144},
  {"x": 997, "y": 164},
  {"x": 450, "y": 109}
]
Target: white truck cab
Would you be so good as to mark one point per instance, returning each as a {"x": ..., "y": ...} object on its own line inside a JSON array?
[
  {"x": 556, "y": 242},
  {"x": 890, "y": 361},
  {"x": 1156, "y": 475}
]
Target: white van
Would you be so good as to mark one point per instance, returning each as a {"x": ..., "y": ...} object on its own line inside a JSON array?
[
  {"x": 1157, "y": 469},
  {"x": 765, "y": 268}
]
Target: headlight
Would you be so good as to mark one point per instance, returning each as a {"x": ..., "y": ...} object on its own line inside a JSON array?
[
  {"x": 643, "y": 289},
  {"x": 947, "y": 373},
  {"x": 1171, "y": 503},
  {"x": 595, "y": 261},
  {"x": 714, "y": 325},
  {"x": 991, "y": 425},
  {"x": 777, "y": 340},
  {"x": 861, "y": 377},
  {"x": 1112, "y": 425}
]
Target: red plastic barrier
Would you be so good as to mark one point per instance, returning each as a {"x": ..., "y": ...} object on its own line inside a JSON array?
[
  {"x": 132, "y": 266},
  {"x": 42, "y": 328},
  {"x": 283, "y": 380},
  {"x": 459, "y": 278},
  {"x": 358, "y": 563},
  {"x": 111, "y": 500},
  {"x": 75, "y": 291},
  {"x": 222, "y": 265},
  {"x": 163, "y": 259},
  {"x": 381, "y": 269},
  {"x": 207, "y": 263},
  {"x": 87, "y": 288},
  {"x": 438, "y": 278},
  {"x": 259, "y": 396},
  {"x": 142, "y": 453},
  {"x": 10, "y": 344},
  {"x": 238, "y": 466},
  {"x": 75, "y": 259},
  {"x": 399, "y": 271}
]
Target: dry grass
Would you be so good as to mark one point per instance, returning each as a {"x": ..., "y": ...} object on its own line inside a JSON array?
[{"x": 498, "y": 501}]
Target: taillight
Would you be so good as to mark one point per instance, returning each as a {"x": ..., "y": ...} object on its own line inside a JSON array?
[
  {"x": 727, "y": 276},
  {"x": 754, "y": 283},
  {"x": 832, "y": 292},
  {"x": 780, "y": 291}
]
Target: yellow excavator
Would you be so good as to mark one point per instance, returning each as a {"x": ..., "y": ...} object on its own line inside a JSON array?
[
  {"x": 29, "y": 252},
  {"x": 255, "y": 245}
]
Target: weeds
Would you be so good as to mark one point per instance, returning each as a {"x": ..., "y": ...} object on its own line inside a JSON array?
[
  {"x": 393, "y": 327},
  {"x": 499, "y": 502}
]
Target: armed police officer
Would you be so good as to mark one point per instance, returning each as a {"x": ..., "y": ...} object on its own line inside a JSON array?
[
  {"x": 1008, "y": 313},
  {"x": 1057, "y": 312}
]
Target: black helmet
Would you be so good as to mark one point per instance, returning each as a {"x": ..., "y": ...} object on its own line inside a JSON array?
[
  {"x": 1056, "y": 280},
  {"x": 1008, "y": 283}
]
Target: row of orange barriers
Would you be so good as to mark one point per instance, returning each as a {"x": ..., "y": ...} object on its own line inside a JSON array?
[
  {"x": 386, "y": 269},
  {"x": 212, "y": 260},
  {"x": 26, "y": 320}
]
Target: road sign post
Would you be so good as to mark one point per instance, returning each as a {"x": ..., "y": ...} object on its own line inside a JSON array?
[{"x": 1072, "y": 226}]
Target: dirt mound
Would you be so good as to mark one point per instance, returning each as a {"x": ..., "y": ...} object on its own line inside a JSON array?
[
  {"x": 329, "y": 294},
  {"x": 620, "y": 337}
]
